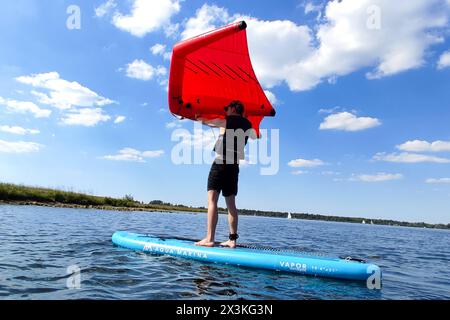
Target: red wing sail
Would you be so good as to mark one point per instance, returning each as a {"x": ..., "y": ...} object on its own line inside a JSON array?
[{"x": 208, "y": 71}]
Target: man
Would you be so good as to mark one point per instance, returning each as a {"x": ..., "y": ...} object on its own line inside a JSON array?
[{"x": 223, "y": 176}]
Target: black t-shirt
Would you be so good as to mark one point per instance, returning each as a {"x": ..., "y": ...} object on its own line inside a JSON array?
[{"x": 237, "y": 128}]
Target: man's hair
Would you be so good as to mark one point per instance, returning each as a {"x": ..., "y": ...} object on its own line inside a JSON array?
[{"x": 238, "y": 105}]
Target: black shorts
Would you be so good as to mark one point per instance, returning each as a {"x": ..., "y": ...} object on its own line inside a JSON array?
[{"x": 224, "y": 177}]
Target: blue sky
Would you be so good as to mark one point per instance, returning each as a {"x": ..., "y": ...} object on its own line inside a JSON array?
[{"x": 361, "y": 90}]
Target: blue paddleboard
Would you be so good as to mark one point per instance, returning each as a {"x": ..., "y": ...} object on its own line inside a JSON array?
[{"x": 250, "y": 257}]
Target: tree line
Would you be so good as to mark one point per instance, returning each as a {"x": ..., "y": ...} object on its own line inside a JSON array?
[{"x": 13, "y": 193}]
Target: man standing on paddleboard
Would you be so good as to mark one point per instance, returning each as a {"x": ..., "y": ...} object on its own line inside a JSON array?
[{"x": 223, "y": 176}]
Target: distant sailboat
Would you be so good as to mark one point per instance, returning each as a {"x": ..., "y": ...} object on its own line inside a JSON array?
[
  {"x": 289, "y": 216},
  {"x": 371, "y": 222},
  {"x": 363, "y": 222}
]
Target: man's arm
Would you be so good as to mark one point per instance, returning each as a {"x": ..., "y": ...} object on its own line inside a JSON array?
[{"x": 217, "y": 123}]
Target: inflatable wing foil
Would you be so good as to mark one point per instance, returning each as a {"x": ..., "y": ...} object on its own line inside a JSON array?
[{"x": 208, "y": 71}]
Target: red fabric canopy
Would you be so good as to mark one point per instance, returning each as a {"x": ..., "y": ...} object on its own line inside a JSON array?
[{"x": 208, "y": 71}]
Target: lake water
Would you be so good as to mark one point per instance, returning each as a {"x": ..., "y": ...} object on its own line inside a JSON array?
[{"x": 39, "y": 244}]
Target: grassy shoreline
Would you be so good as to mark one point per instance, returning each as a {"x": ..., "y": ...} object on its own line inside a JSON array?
[{"x": 13, "y": 194}]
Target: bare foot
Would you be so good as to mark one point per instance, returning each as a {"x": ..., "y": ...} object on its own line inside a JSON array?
[
  {"x": 205, "y": 243},
  {"x": 229, "y": 243}
]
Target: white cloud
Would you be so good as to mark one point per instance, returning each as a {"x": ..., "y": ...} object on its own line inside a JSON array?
[
  {"x": 130, "y": 154},
  {"x": 305, "y": 163},
  {"x": 438, "y": 181},
  {"x": 406, "y": 157},
  {"x": 139, "y": 69},
  {"x": 167, "y": 55},
  {"x": 25, "y": 107},
  {"x": 18, "y": 130},
  {"x": 173, "y": 124},
  {"x": 68, "y": 96},
  {"x": 330, "y": 173},
  {"x": 146, "y": 16},
  {"x": 444, "y": 60},
  {"x": 172, "y": 30},
  {"x": 379, "y": 177},
  {"x": 120, "y": 119},
  {"x": 311, "y": 7},
  {"x": 206, "y": 18},
  {"x": 19, "y": 146},
  {"x": 62, "y": 94},
  {"x": 424, "y": 146},
  {"x": 84, "y": 117},
  {"x": 275, "y": 48},
  {"x": 348, "y": 122},
  {"x": 329, "y": 110},
  {"x": 348, "y": 42},
  {"x": 271, "y": 96},
  {"x": 298, "y": 172},
  {"x": 342, "y": 42},
  {"x": 105, "y": 8},
  {"x": 160, "y": 50}
]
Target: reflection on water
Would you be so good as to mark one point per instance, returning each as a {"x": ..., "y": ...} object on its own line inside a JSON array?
[{"x": 38, "y": 244}]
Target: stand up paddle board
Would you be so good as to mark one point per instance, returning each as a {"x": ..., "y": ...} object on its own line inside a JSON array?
[{"x": 270, "y": 259}]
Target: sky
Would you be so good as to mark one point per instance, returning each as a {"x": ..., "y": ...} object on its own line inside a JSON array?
[{"x": 361, "y": 90}]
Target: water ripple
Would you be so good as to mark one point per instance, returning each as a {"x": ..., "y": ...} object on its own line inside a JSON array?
[{"x": 41, "y": 245}]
